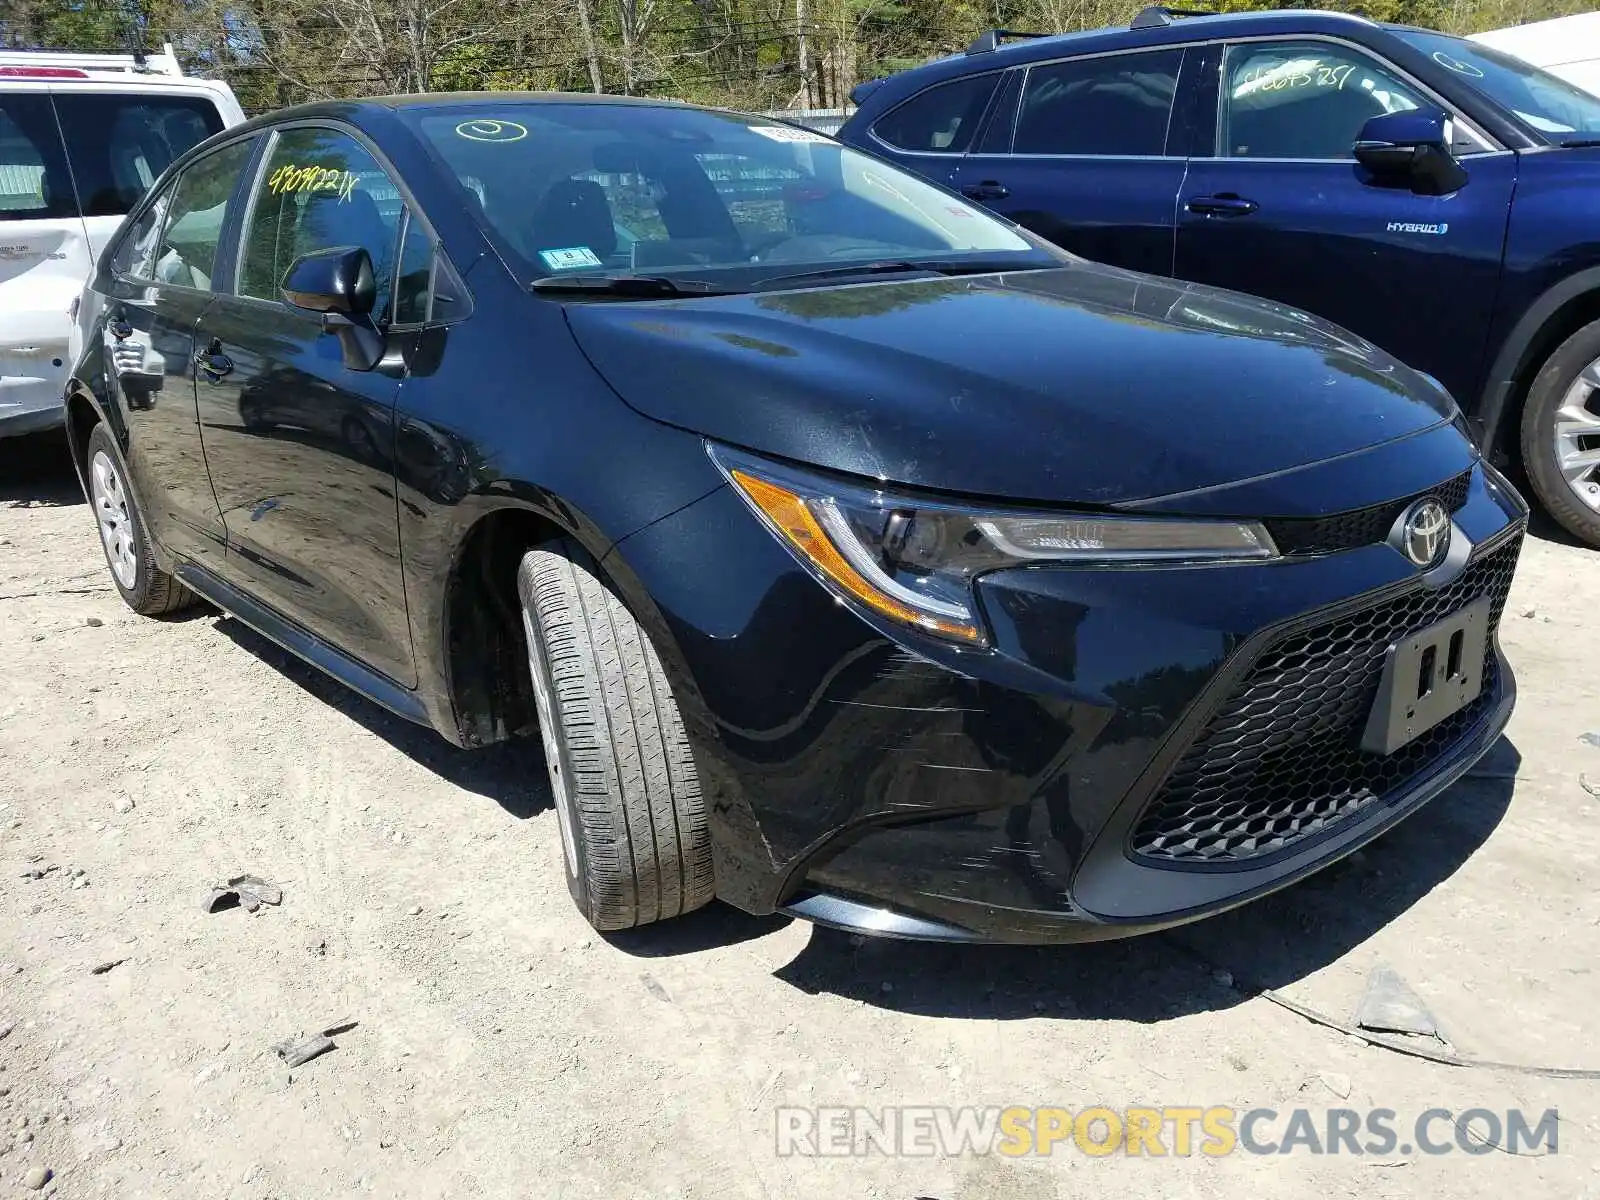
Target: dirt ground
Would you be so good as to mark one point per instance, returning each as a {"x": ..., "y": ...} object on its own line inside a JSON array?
[{"x": 503, "y": 1050}]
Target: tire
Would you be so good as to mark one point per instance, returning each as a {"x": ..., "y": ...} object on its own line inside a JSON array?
[
  {"x": 634, "y": 835},
  {"x": 144, "y": 586},
  {"x": 1562, "y": 399}
]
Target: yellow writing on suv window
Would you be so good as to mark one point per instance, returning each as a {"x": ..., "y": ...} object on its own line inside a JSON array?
[{"x": 290, "y": 178}]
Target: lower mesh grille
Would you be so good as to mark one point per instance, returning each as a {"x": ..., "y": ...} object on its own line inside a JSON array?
[{"x": 1281, "y": 759}]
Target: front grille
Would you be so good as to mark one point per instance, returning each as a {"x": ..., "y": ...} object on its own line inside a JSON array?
[
  {"x": 1363, "y": 526},
  {"x": 1281, "y": 759}
]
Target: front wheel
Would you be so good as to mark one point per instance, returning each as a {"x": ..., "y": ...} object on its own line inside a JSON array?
[
  {"x": 634, "y": 834},
  {"x": 144, "y": 586},
  {"x": 1561, "y": 434}
]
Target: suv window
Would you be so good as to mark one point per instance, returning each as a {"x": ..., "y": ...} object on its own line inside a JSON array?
[
  {"x": 319, "y": 188},
  {"x": 1116, "y": 105},
  {"x": 34, "y": 184},
  {"x": 187, "y": 254},
  {"x": 1303, "y": 100},
  {"x": 119, "y": 145},
  {"x": 941, "y": 120}
]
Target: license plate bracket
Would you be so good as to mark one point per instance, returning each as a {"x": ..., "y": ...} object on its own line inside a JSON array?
[{"x": 1428, "y": 676}]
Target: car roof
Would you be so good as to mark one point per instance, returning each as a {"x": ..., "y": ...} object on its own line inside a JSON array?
[
  {"x": 354, "y": 109},
  {"x": 1177, "y": 30}
]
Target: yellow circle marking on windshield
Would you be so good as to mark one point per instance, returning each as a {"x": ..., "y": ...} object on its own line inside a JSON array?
[{"x": 492, "y": 131}]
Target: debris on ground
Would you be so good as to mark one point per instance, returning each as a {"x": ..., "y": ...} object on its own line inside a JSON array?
[
  {"x": 247, "y": 891},
  {"x": 37, "y": 1177},
  {"x": 1588, "y": 784},
  {"x": 1389, "y": 1006},
  {"x": 107, "y": 966},
  {"x": 297, "y": 1050},
  {"x": 1591, "y": 737},
  {"x": 40, "y": 872}
]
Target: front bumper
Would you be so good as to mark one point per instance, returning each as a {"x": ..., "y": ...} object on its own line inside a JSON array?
[{"x": 863, "y": 777}]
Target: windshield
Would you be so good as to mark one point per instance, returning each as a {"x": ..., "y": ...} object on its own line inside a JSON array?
[
  {"x": 1552, "y": 106},
  {"x": 621, "y": 189}
]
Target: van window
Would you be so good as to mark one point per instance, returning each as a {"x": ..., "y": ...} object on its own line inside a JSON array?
[
  {"x": 119, "y": 145},
  {"x": 34, "y": 184}
]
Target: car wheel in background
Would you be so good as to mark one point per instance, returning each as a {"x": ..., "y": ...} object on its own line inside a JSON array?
[
  {"x": 1561, "y": 434},
  {"x": 633, "y": 820},
  {"x": 145, "y": 587}
]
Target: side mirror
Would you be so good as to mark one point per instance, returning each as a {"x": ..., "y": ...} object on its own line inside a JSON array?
[
  {"x": 332, "y": 281},
  {"x": 339, "y": 284},
  {"x": 1414, "y": 148}
]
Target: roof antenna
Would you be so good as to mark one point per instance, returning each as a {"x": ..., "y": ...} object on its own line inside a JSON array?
[{"x": 131, "y": 35}]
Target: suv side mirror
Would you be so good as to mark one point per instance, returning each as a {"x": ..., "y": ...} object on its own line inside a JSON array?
[
  {"x": 1411, "y": 147},
  {"x": 339, "y": 284}
]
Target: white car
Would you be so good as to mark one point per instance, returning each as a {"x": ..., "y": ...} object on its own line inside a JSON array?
[{"x": 82, "y": 138}]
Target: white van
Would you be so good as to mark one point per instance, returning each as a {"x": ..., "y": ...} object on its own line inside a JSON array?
[
  {"x": 1567, "y": 47},
  {"x": 82, "y": 137}
]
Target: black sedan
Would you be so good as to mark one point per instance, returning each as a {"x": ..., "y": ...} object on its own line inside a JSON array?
[{"x": 854, "y": 553}]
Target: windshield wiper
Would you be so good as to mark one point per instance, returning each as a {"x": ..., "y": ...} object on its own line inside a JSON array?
[
  {"x": 628, "y": 285},
  {"x": 899, "y": 267}
]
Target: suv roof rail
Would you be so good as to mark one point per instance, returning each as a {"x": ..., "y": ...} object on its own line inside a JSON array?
[
  {"x": 164, "y": 63},
  {"x": 1158, "y": 15},
  {"x": 990, "y": 39}
]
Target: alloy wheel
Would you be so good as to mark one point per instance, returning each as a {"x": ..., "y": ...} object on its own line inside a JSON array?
[
  {"x": 1576, "y": 434},
  {"x": 111, "y": 512}
]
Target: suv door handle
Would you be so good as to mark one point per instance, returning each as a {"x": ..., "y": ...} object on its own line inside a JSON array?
[
  {"x": 1223, "y": 204},
  {"x": 989, "y": 189},
  {"x": 212, "y": 362}
]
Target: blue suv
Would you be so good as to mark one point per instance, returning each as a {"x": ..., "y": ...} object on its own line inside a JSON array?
[{"x": 1437, "y": 197}]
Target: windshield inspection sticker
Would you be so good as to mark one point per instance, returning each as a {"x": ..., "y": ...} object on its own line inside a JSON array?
[
  {"x": 484, "y": 130},
  {"x": 569, "y": 259},
  {"x": 787, "y": 133}
]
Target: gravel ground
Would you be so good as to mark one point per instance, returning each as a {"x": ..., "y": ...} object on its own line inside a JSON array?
[{"x": 502, "y": 1049}]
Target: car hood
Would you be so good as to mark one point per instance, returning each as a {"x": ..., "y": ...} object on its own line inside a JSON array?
[{"x": 1086, "y": 384}]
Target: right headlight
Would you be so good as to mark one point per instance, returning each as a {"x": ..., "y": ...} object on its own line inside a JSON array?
[{"x": 913, "y": 560}]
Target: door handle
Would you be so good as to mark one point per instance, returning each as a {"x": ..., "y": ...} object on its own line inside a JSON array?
[
  {"x": 1223, "y": 204},
  {"x": 989, "y": 189},
  {"x": 212, "y": 362},
  {"x": 119, "y": 328}
]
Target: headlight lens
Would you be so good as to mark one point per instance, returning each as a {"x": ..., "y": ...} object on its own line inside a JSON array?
[{"x": 914, "y": 560}]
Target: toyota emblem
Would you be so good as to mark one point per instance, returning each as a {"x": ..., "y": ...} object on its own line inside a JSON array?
[{"x": 1425, "y": 532}]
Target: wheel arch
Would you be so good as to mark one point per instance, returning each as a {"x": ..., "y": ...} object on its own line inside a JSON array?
[
  {"x": 472, "y": 624},
  {"x": 1550, "y": 320},
  {"x": 82, "y": 416}
]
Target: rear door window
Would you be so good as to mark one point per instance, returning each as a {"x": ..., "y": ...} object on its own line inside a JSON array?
[
  {"x": 34, "y": 182},
  {"x": 941, "y": 120},
  {"x": 188, "y": 251},
  {"x": 1115, "y": 105},
  {"x": 118, "y": 145}
]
